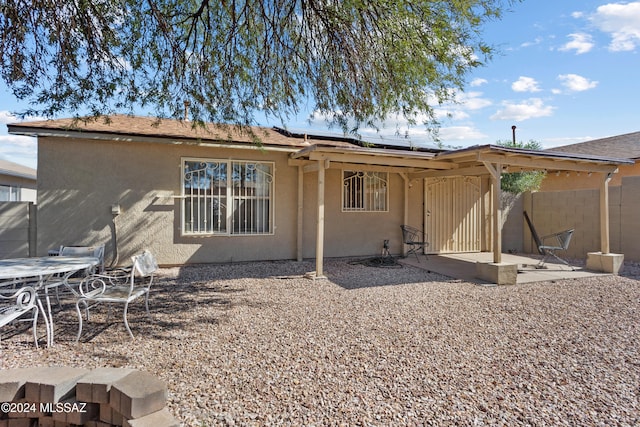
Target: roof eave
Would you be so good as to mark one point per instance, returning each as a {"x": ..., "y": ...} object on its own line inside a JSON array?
[{"x": 128, "y": 137}]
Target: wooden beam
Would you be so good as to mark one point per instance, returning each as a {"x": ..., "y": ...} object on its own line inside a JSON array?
[
  {"x": 467, "y": 171},
  {"x": 372, "y": 168},
  {"x": 382, "y": 160},
  {"x": 311, "y": 168},
  {"x": 298, "y": 162},
  {"x": 496, "y": 172},
  {"x": 550, "y": 164}
]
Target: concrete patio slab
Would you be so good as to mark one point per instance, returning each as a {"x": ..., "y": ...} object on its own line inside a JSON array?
[{"x": 463, "y": 266}]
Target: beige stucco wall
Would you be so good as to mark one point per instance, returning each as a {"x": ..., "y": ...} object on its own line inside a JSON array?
[
  {"x": 358, "y": 233},
  {"x": 80, "y": 180}
]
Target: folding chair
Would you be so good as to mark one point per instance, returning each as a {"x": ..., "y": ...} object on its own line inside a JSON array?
[
  {"x": 558, "y": 242},
  {"x": 414, "y": 239}
]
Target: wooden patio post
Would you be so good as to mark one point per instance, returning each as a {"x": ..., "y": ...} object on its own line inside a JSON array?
[
  {"x": 320, "y": 224},
  {"x": 405, "y": 214},
  {"x": 300, "y": 213},
  {"x": 496, "y": 173},
  {"x": 497, "y": 216},
  {"x": 604, "y": 214}
]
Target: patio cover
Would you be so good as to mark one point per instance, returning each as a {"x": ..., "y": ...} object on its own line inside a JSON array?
[{"x": 474, "y": 161}]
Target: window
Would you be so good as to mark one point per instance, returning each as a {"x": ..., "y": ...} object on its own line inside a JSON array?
[
  {"x": 364, "y": 191},
  {"x": 227, "y": 197},
  {"x": 9, "y": 193}
]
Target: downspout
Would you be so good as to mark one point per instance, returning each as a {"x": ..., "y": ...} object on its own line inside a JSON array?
[{"x": 320, "y": 221}]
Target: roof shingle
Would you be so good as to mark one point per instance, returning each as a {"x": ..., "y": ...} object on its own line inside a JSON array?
[
  {"x": 138, "y": 126},
  {"x": 623, "y": 146}
]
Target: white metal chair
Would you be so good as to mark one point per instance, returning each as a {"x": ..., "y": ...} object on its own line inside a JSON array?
[
  {"x": 72, "y": 283},
  {"x": 82, "y": 251},
  {"x": 415, "y": 239},
  {"x": 19, "y": 303},
  {"x": 557, "y": 242},
  {"x": 102, "y": 288}
]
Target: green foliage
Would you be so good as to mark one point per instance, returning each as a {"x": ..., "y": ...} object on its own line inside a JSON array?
[
  {"x": 521, "y": 182},
  {"x": 356, "y": 61}
]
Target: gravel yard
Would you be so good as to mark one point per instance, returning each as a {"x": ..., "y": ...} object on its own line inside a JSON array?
[{"x": 258, "y": 344}]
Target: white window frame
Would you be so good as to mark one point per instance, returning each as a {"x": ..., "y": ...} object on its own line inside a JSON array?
[
  {"x": 365, "y": 191},
  {"x": 201, "y": 204},
  {"x": 10, "y": 193}
]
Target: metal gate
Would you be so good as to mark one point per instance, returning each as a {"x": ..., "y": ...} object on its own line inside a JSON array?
[{"x": 453, "y": 209}]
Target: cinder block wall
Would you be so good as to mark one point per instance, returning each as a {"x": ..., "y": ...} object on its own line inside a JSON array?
[
  {"x": 17, "y": 229},
  {"x": 553, "y": 211}
]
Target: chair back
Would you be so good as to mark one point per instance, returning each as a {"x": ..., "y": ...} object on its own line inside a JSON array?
[
  {"x": 564, "y": 238},
  {"x": 410, "y": 234},
  {"x": 144, "y": 266},
  {"x": 82, "y": 251}
]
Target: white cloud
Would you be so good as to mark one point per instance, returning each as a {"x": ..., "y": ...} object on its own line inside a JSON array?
[
  {"x": 460, "y": 133},
  {"x": 529, "y": 109},
  {"x": 451, "y": 113},
  {"x": 7, "y": 117},
  {"x": 622, "y": 22},
  {"x": 525, "y": 84},
  {"x": 576, "y": 83},
  {"x": 471, "y": 100},
  {"x": 464, "y": 103},
  {"x": 19, "y": 149},
  {"x": 535, "y": 42},
  {"x": 580, "y": 42},
  {"x": 478, "y": 82}
]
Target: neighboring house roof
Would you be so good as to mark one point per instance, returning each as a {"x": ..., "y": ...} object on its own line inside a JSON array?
[
  {"x": 627, "y": 146},
  {"x": 16, "y": 170}
]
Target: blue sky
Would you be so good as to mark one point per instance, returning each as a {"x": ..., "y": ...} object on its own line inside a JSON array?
[{"x": 566, "y": 73}]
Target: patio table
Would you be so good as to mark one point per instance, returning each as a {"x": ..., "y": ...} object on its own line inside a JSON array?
[{"x": 43, "y": 273}]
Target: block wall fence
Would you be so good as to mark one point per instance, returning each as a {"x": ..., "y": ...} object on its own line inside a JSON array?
[{"x": 554, "y": 211}]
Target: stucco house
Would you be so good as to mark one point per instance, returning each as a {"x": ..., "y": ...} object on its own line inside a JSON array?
[
  {"x": 17, "y": 182},
  {"x": 196, "y": 194}
]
